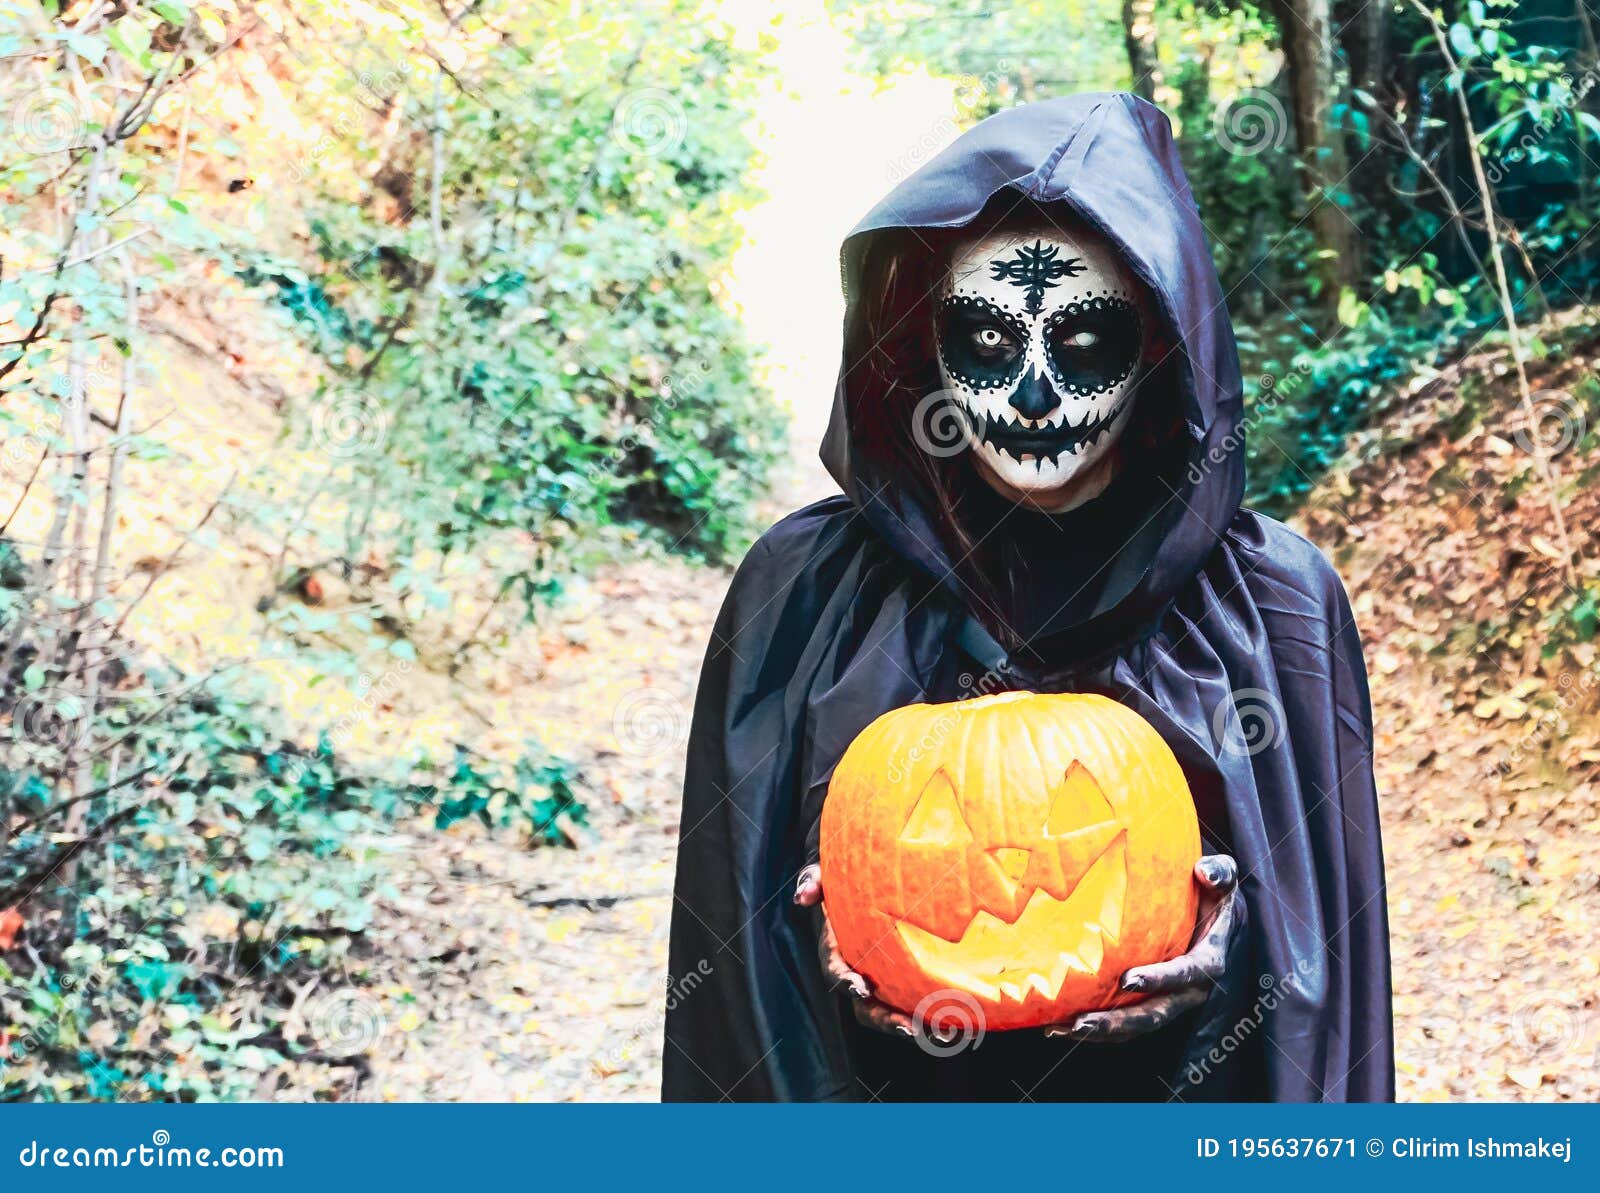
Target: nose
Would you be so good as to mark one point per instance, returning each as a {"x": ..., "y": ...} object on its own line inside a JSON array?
[{"x": 1034, "y": 397}]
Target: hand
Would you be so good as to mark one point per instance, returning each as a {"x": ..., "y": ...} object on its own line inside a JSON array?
[
  {"x": 869, "y": 1011},
  {"x": 1178, "y": 985}
]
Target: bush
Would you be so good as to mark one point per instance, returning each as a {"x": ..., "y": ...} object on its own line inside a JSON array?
[
  {"x": 540, "y": 348},
  {"x": 163, "y": 946}
]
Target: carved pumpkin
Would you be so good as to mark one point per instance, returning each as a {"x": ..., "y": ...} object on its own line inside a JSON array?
[{"x": 1025, "y": 849}]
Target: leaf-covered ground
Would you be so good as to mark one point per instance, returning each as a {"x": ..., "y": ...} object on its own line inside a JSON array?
[
  {"x": 540, "y": 975},
  {"x": 1484, "y": 689}
]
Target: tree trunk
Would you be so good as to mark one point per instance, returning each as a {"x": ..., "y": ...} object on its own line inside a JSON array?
[
  {"x": 1305, "y": 29},
  {"x": 1363, "y": 35},
  {"x": 1139, "y": 32}
]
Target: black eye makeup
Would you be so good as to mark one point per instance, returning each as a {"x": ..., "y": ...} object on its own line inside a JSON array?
[
  {"x": 980, "y": 343},
  {"x": 1093, "y": 345}
]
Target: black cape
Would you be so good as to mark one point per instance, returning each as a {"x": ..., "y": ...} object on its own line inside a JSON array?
[{"x": 1228, "y": 632}]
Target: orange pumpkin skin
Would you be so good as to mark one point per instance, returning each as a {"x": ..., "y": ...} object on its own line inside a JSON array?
[{"x": 1025, "y": 849}]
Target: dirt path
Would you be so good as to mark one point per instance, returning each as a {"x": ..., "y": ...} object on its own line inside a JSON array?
[{"x": 540, "y": 974}]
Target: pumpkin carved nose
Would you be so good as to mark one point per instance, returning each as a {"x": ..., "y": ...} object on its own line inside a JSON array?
[{"x": 1013, "y": 861}]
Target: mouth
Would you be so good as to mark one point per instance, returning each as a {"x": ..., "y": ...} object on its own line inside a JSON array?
[
  {"x": 1049, "y": 943},
  {"x": 1042, "y": 443}
]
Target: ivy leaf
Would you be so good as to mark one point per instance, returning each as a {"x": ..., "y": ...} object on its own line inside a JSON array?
[
  {"x": 87, "y": 46},
  {"x": 173, "y": 12},
  {"x": 132, "y": 40}
]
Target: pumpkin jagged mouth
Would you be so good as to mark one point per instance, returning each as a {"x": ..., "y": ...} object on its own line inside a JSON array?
[{"x": 985, "y": 960}]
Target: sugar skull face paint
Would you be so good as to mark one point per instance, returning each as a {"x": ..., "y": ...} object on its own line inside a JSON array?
[{"x": 1042, "y": 341}]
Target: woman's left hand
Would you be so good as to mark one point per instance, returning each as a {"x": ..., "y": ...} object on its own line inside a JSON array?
[{"x": 1178, "y": 985}]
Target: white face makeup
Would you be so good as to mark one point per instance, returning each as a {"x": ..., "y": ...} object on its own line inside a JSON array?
[{"x": 1042, "y": 340}]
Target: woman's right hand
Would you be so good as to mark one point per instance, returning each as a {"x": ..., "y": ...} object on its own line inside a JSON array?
[{"x": 869, "y": 1011}]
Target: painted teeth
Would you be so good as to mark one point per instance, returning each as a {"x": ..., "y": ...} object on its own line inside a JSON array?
[{"x": 1087, "y": 433}]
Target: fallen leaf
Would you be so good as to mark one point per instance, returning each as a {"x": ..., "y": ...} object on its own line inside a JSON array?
[{"x": 10, "y": 924}]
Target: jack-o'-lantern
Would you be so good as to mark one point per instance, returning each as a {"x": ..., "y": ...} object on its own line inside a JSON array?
[{"x": 1026, "y": 849}]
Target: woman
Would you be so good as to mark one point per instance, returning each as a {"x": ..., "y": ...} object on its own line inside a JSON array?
[{"x": 1037, "y": 431}]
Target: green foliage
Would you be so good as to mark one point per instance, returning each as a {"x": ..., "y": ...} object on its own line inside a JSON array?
[
  {"x": 1000, "y": 54},
  {"x": 539, "y": 348},
  {"x": 238, "y": 866},
  {"x": 500, "y": 234}
]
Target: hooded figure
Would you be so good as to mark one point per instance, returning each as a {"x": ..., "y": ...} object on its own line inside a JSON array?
[{"x": 985, "y": 365}]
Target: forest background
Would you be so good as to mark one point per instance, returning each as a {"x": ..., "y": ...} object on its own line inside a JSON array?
[{"x": 387, "y": 386}]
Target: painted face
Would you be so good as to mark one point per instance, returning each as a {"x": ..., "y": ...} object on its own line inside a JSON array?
[{"x": 1042, "y": 339}]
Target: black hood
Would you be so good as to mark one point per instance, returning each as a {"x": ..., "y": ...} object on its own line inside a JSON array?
[{"x": 1111, "y": 160}]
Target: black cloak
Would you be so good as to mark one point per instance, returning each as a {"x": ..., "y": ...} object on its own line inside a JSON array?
[{"x": 1217, "y": 615}]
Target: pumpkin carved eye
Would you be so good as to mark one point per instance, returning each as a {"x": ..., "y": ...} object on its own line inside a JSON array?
[{"x": 1029, "y": 868}]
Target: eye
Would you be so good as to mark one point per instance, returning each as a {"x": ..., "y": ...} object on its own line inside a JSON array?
[
  {"x": 979, "y": 342},
  {"x": 1093, "y": 344}
]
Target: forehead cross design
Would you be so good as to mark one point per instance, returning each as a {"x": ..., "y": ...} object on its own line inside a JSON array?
[{"x": 1036, "y": 269}]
